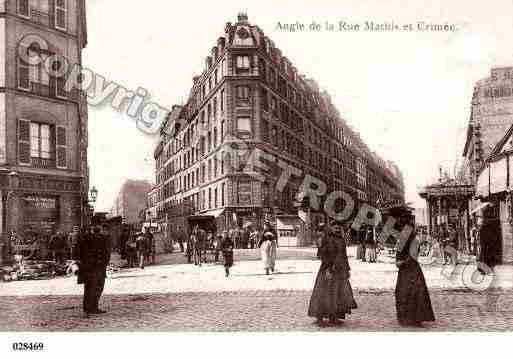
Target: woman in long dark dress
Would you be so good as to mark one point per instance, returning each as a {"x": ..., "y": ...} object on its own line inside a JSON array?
[
  {"x": 332, "y": 296},
  {"x": 412, "y": 300}
]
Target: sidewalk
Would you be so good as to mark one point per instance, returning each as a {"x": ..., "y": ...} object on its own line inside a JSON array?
[{"x": 248, "y": 275}]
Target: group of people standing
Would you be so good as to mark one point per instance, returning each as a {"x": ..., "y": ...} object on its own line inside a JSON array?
[
  {"x": 332, "y": 297},
  {"x": 138, "y": 248},
  {"x": 367, "y": 246},
  {"x": 225, "y": 242}
]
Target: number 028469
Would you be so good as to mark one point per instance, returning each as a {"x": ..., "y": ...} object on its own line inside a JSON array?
[{"x": 27, "y": 346}]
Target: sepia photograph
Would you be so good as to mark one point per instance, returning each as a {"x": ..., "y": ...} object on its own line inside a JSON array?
[{"x": 316, "y": 169}]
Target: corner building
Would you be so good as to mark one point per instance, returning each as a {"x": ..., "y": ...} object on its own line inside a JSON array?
[
  {"x": 43, "y": 124},
  {"x": 251, "y": 96}
]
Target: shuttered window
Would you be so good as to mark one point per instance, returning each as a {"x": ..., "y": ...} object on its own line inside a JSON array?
[
  {"x": 61, "y": 149},
  {"x": 24, "y": 142},
  {"x": 60, "y": 14}
]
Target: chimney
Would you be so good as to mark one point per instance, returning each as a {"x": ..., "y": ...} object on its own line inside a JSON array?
[
  {"x": 227, "y": 27},
  {"x": 208, "y": 62},
  {"x": 214, "y": 53}
]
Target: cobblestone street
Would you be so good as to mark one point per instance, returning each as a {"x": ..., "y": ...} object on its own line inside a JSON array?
[
  {"x": 183, "y": 297},
  {"x": 247, "y": 311}
]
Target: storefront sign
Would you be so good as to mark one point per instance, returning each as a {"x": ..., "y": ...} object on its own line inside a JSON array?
[{"x": 40, "y": 202}]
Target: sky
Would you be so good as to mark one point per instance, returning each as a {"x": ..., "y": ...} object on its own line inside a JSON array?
[{"x": 407, "y": 93}]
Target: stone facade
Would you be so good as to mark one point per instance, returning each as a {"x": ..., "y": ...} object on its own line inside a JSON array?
[
  {"x": 43, "y": 125},
  {"x": 131, "y": 200},
  {"x": 251, "y": 96}
]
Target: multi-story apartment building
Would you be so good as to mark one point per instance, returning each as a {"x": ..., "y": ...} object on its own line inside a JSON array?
[
  {"x": 131, "y": 200},
  {"x": 250, "y": 96},
  {"x": 43, "y": 124},
  {"x": 491, "y": 116}
]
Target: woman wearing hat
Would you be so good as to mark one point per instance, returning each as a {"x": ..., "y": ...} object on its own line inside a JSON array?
[
  {"x": 332, "y": 296},
  {"x": 268, "y": 247},
  {"x": 412, "y": 300}
]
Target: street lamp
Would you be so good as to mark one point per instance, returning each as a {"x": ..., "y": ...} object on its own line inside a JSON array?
[{"x": 94, "y": 194}]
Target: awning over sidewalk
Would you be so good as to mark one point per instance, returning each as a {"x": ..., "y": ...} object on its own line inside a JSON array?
[{"x": 215, "y": 213}]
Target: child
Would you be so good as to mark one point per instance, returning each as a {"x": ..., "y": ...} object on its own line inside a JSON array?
[{"x": 227, "y": 248}]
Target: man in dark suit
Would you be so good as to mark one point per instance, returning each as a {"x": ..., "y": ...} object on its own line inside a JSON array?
[{"x": 93, "y": 255}]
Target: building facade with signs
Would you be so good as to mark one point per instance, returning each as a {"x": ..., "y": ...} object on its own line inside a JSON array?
[
  {"x": 448, "y": 205},
  {"x": 43, "y": 123},
  {"x": 494, "y": 192},
  {"x": 486, "y": 153},
  {"x": 251, "y": 101}
]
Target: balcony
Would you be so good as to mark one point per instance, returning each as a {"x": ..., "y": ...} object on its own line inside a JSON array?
[
  {"x": 51, "y": 91},
  {"x": 43, "y": 163}
]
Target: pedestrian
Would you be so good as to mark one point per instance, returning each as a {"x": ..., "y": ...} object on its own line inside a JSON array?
[
  {"x": 217, "y": 246},
  {"x": 180, "y": 238},
  {"x": 370, "y": 246},
  {"x": 142, "y": 249},
  {"x": 319, "y": 236},
  {"x": 227, "y": 248},
  {"x": 474, "y": 239},
  {"x": 332, "y": 297},
  {"x": 123, "y": 239},
  {"x": 412, "y": 300},
  {"x": 268, "y": 248},
  {"x": 92, "y": 258},
  {"x": 189, "y": 252},
  {"x": 451, "y": 246},
  {"x": 150, "y": 246},
  {"x": 360, "y": 250},
  {"x": 253, "y": 238},
  {"x": 197, "y": 245},
  {"x": 131, "y": 251},
  {"x": 489, "y": 237},
  {"x": 209, "y": 243}
]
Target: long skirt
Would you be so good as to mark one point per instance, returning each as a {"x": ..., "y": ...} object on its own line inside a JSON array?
[
  {"x": 331, "y": 298},
  {"x": 411, "y": 295},
  {"x": 370, "y": 254},
  {"x": 228, "y": 258},
  {"x": 268, "y": 251},
  {"x": 360, "y": 252}
]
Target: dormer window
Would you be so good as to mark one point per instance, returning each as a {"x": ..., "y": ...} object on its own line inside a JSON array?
[{"x": 243, "y": 62}]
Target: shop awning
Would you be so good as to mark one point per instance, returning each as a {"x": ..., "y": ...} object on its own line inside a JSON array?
[
  {"x": 215, "y": 213},
  {"x": 480, "y": 207}
]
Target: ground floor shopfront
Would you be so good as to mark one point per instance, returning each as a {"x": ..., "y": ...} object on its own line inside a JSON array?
[{"x": 34, "y": 207}]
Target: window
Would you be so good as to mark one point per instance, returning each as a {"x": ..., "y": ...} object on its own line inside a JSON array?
[
  {"x": 244, "y": 125},
  {"x": 222, "y": 100},
  {"x": 23, "y": 8},
  {"x": 222, "y": 194},
  {"x": 264, "y": 99},
  {"x": 216, "y": 77},
  {"x": 210, "y": 170},
  {"x": 60, "y": 14},
  {"x": 209, "y": 198},
  {"x": 215, "y": 197},
  {"x": 243, "y": 93},
  {"x": 40, "y": 140},
  {"x": 215, "y": 167},
  {"x": 215, "y": 108},
  {"x": 215, "y": 137},
  {"x": 274, "y": 106},
  {"x": 23, "y": 75},
  {"x": 222, "y": 131},
  {"x": 243, "y": 62}
]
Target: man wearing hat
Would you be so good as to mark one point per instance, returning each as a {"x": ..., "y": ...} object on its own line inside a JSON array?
[{"x": 93, "y": 257}]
